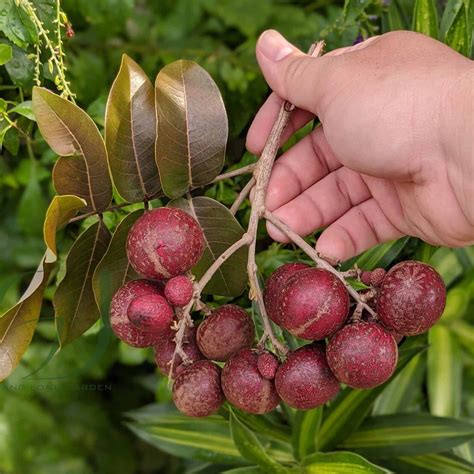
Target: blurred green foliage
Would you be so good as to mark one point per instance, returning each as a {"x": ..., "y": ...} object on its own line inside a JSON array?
[{"x": 64, "y": 413}]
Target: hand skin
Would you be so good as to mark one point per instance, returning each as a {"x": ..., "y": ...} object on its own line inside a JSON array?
[{"x": 394, "y": 154}]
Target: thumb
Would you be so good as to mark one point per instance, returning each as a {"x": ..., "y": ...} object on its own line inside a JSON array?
[{"x": 303, "y": 80}]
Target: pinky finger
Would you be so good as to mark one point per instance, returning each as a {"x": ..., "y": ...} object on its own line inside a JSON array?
[{"x": 360, "y": 228}]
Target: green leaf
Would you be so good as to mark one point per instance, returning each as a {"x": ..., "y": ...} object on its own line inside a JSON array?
[
  {"x": 353, "y": 8},
  {"x": 32, "y": 206},
  {"x": 114, "y": 269},
  {"x": 465, "y": 335},
  {"x": 425, "y": 18},
  {"x": 262, "y": 424},
  {"x": 82, "y": 169},
  {"x": 446, "y": 263},
  {"x": 6, "y": 53},
  {"x": 20, "y": 68},
  {"x": 250, "y": 447},
  {"x": 340, "y": 463},
  {"x": 305, "y": 428},
  {"x": 74, "y": 304},
  {"x": 444, "y": 372},
  {"x": 16, "y": 24},
  {"x": 245, "y": 470},
  {"x": 445, "y": 463},
  {"x": 192, "y": 127},
  {"x": 61, "y": 209},
  {"x": 381, "y": 255},
  {"x": 402, "y": 390},
  {"x": 456, "y": 29},
  {"x": 395, "y": 17},
  {"x": 11, "y": 141},
  {"x": 130, "y": 131},
  {"x": 350, "y": 407},
  {"x": 25, "y": 109},
  {"x": 205, "y": 439},
  {"x": 408, "y": 434},
  {"x": 221, "y": 230}
]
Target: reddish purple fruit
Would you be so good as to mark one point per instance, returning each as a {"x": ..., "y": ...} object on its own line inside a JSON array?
[
  {"x": 244, "y": 386},
  {"x": 197, "y": 389},
  {"x": 313, "y": 304},
  {"x": 165, "y": 347},
  {"x": 164, "y": 243},
  {"x": 362, "y": 355},
  {"x": 179, "y": 291},
  {"x": 411, "y": 298},
  {"x": 267, "y": 365},
  {"x": 119, "y": 321},
  {"x": 150, "y": 313},
  {"x": 304, "y": 380},
  {"x": 274, "y": 284},
  {"x": 228, "y": 329}
]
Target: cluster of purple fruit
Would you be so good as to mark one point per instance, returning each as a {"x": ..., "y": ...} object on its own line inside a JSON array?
[{"x": 310, "y": 303}]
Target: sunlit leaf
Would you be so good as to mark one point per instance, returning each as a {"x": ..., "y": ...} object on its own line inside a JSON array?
[
  {"x": 74, "y": 303},
  {"x": 445, "y": 463},
  {"x": 191, "y": 129},
  {"x": 16, "y": 24},
  {"x": 381, "y": 255},
  {"x": 425, "y": 18},
  {"x": 350, "y": 406},
  {"x": 82, "y": 168},
  {"x": 444, "y": 372},
  {"x": 408, "y": 434},
  {"x": 456, "y": 28},
  {"x": 6, "y": 53},
  {"x": 114, "y": 269},
  {"x": 340, "y": 463},
  {"x": 205, "y": 439},
  {"x": 61, "y": 209},
  {"x": 250, "y": 447},
  {"x": 130, "y": 131},
  {"x": 25, "y": 109},
  {"x": 403, "y": 389},
  {"x": 221, "y": 230},
  {"x": 305, "y": 429}
]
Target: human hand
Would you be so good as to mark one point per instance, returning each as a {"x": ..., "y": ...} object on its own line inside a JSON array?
[{"x": 394, "y": 155}]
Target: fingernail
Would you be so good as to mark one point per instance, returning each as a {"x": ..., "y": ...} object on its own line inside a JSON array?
[{"x": 272, "y": 45}]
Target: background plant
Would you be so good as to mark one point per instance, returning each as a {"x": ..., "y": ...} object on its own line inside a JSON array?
[{"x": 81, "y": 402}]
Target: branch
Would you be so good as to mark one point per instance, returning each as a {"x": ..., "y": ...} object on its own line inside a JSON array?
[
  {"x": 242, "y": 196},
  {"x": 262, "y": 174},
  {"x": 320, "y": 262},
  {"x": 229, "y": 174}
]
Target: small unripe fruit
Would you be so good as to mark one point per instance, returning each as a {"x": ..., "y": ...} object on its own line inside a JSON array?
[
  {"x": 119, "y": 321},
  {"x": 228, "y": 329},
  {"x": 411, "y": 298},
  {"x": 165, "y": 347},
  {"x": 365, "y": 277},
  {"x": 197, "y": 389},
  {"x": 313, "y": 304},
  {"x": 267, "y": 365},
  {"x": 179, "y": 291},
  {"x": 274, "y": 284},
  {"x": 377, "y": 276},
  {"x": 164, "y": 243},
  {"x": 150, "y": 313},
  {"x": 362, "y": 355},
  {"x": 244, "y": 386},
  {"x": 304, "y": 380}
]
